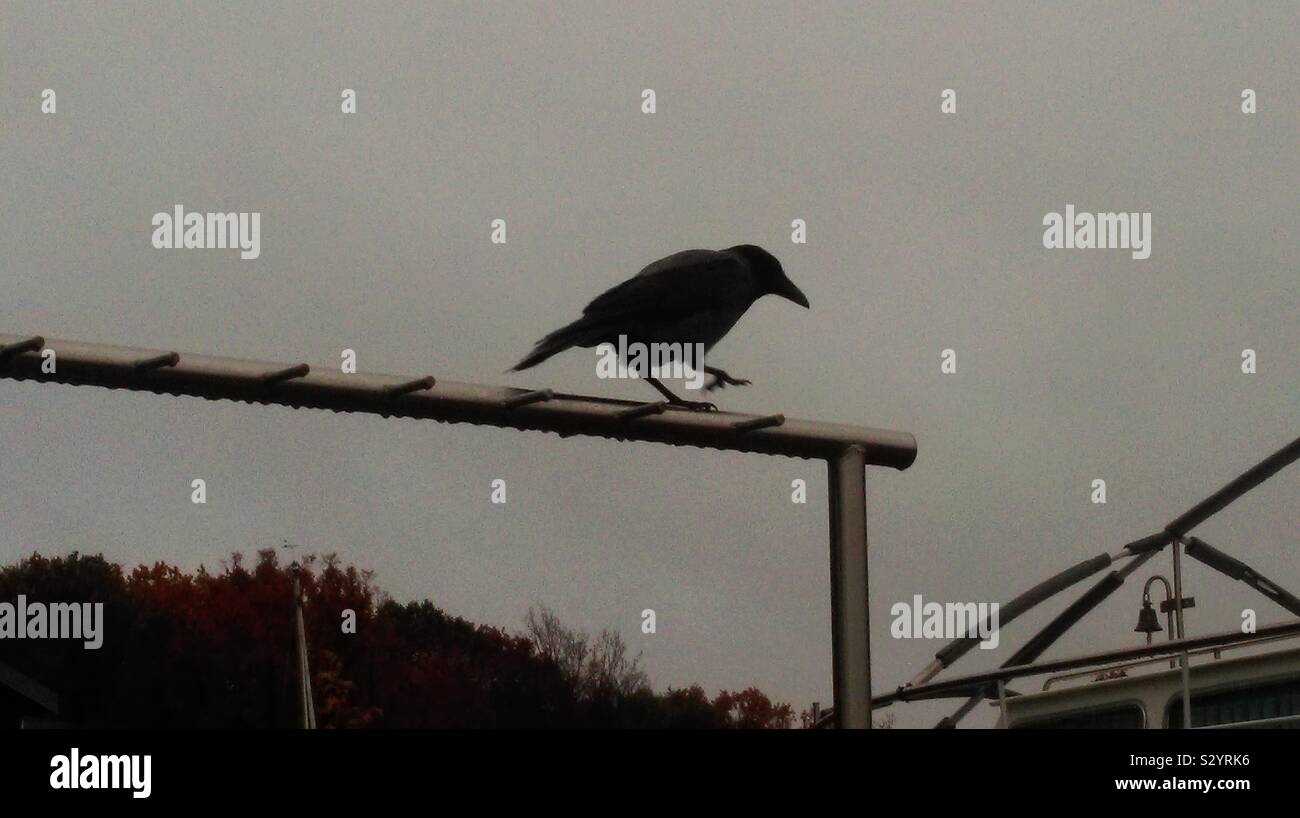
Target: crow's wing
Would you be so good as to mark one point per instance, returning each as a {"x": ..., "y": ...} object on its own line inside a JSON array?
[
  {"x": 686, "y": 288},
  {"x": 676, "y": 287}
]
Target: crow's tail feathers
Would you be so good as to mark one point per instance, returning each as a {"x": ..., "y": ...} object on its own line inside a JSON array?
[
  {"x": 583, "y": 332},
  {"x": 540, "y": 353}
]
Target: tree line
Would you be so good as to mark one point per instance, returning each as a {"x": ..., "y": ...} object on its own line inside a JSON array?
[{"x": 216, "y": 650}]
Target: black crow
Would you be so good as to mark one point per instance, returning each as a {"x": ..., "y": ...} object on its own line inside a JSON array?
[{"x": 691, "y": 297}]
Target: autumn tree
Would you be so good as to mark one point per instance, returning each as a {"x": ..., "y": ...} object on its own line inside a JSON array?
[{"x": 216, "y": 649}]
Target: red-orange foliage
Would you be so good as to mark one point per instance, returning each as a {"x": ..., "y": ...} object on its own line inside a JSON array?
[{"x": 216, "y": 649}]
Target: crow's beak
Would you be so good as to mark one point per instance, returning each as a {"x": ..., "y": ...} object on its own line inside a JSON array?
[{"x": 794, "y": 294}]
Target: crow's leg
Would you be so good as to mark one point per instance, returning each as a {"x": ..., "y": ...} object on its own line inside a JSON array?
[
  {"x": 697, "y": 405},
  {"x": 721, "y": 380}
]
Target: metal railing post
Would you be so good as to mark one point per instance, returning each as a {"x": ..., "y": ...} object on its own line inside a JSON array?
[
  {"x": 1185, "y": 659},
  {"x": 850, "y": 631}
]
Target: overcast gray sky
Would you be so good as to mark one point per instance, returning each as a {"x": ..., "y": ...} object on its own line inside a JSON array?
[{"x": 924, "y": 233}]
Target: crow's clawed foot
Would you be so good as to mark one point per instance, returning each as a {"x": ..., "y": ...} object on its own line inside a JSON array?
[
  {"x": 694, "y": 405},
  {"x": 673, "y": 400},
  {"x": 723, "y": 383},
  {"x": 721, "y": 380}
]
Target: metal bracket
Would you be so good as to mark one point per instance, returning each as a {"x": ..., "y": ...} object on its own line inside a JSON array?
[
  {"x": 417, "y": 385},
  {"x": 33, "y": 344},
  {"x": 633, "y": 412},
  {"x": 527, "y": 398},
  {"x": 282, "y": 375},
  {"x": 156, "y": 362},
  {"x": 765, "y": 422}
]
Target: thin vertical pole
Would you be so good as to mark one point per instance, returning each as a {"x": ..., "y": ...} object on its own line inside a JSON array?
[
  {"x": 850, "y": 631},
  {"x": 1002, "y": 700},
  {"x": 304, "y": 672},
  {"x": 1184, "y": 659}
]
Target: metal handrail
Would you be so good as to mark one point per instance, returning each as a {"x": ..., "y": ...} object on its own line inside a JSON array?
[
  {"x": 1139, "y": 663},
  {"x": 983, "y": 683},
  {"x": 301, "y": 386}
]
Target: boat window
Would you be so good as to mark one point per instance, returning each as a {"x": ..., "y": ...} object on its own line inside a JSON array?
[
  {"x": 1273, "y": 701},
  {"x": 1114, "y": 717}
]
